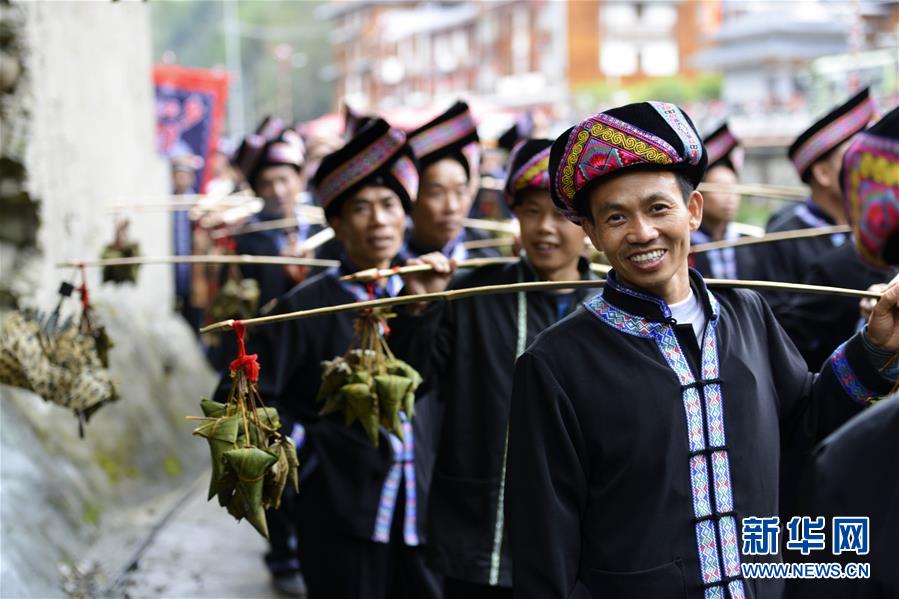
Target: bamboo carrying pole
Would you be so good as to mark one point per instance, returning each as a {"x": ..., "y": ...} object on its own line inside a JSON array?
[
  {"x": 493, "y": 242},
  {"x": 510, "y": 226},
  {"x": 515, "y": 287},
  {"x": 230, "y": 259},
  {"x": 753, "y": 239},
  {"x": 771, "y": 237},
  {"x": 374, "y": 273},
  {"x": 311, "y": 243},
  {"x": 310, "y": 218},
  {"x": 316, "y": 216},
  {"x": 370, "y": 274},
  {"x": 186, "y": 201},
  {"x": 783, "y": 192}
]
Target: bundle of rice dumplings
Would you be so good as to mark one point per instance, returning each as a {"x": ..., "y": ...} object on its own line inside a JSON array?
[
  {"x": 252, "y": 462},
  {"x": 369, "y": 383},
  {"x": 64, "y": 361}
]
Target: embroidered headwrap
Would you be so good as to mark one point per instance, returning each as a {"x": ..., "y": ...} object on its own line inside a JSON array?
[
  {"x": 828, "y": 132},
  {"x": 870, "y": 181},
  {"x": 454, "y": 135},
  {"x": 354, "y": 121},
  {"x": 528, "y": 169},
  {"x": 723, "y": 149},
  {"x": 271, "y": 145},
  {"x": 517, "y": 133},
  {"x": 377, "y": 155},
  {"x": 647, "y": 135}
]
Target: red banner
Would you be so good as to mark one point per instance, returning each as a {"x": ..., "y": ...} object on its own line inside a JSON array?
[{"x": 190, "y": 106}]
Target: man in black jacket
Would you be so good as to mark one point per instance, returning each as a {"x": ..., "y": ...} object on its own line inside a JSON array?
[
  {"x": 816, "y": 154},
  {"x": 818, "y": 323},
  {"x": 358, "y": 522},
  {"x": 448, "y": 152},
  {"x": 466, "y": 350},
  {"x": 647, "y": 427},
  {"x": 854, "y": 474},
  {"x": 273, "y": 169}
]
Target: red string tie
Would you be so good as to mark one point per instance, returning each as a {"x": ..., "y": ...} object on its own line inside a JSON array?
[
  {"x": 85, "y": 295},
  {"x": 246, "y": 361}
]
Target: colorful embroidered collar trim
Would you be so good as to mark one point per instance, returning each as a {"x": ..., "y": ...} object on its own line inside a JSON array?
[
  {"x": 709, "y": 463},
  {"x": 613, "y": 283}
]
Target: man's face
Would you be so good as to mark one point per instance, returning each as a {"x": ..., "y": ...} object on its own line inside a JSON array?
[
  {"x": 827, "y": 171},
  {"x": 643, "y": 225},
  {"x": 183, "y": 180},
  {"x": 551, "y": 241},
  {"x": 279, "y": 187},
  {"x": 443, "y": 202},
  {"x": 371, "y": 226},
  {"x": 720, "y": 207}
]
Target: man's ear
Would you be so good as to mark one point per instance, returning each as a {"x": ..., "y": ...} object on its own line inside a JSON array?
[
  {"x": 694, "y": 207},
  {"x": 822, "y": 173},
  {"x": 336, "y": 223},
  {"x": 589, "y": 228}
]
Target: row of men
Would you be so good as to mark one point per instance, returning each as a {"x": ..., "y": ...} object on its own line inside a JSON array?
[{"x": 578, "y": 469}]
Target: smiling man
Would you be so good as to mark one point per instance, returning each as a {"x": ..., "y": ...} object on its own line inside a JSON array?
[
  {"x": 466, "y": 349},
  {"x": 358, "y": 529},
  {"x": 719, "y": 209},
  {"x": 448, "y": 152},
  {"x": 646, "y": 427}
]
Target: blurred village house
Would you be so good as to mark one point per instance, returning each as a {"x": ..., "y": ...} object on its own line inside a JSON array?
[{"x": 508, "y": 56}]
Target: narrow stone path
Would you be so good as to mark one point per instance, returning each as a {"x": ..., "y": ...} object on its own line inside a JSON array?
[{"x": 201, "y": 551}]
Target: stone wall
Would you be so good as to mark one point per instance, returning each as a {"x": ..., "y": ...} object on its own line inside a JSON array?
[
  {"x": 80, "y": 123},
  {"x": 77, "y": 122}
]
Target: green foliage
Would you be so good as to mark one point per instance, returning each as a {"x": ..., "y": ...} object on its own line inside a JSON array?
[
  {"x": 679, "y": 90},
  {"x": 91, "y": 514},
  {"x": 195, "y": 31},
  {"x": 172, "y": 466}
]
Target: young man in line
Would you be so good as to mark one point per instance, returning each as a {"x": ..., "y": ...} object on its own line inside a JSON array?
[
  {"x": 817, "y": 324},
  {"x": 271, "y": 161},
  {"x": 816, "y": 154},
  {"x": 358, "y": 528},
  {"x": 647, "y": 427},
  {"x": 448, "y": 152},
  {"x": 273, "y": 168},
  {"x": 719, "y": 211},
  {"x": 466, "y": 350}
]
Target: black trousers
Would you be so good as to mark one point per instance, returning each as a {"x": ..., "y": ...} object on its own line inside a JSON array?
[
  {"x": 340, "y": 566},
  {"x": 282, "y": 557},
  {"x": 453, "y": 588}
]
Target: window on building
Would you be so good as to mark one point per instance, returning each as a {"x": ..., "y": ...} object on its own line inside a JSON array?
[
  {"x": 487, "y": 29},
  {"x": 658, "y": 17},
  {"x": 659, "y": 59},
  {"x": 406, "y": 52},
  {"x": 618, "y": 16},
  {"x": 460, "y": 45},
  {"x": 618, "y": 58},
  {"x": 521, "y": 40},
  {"x": 423, "y": 52}
]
